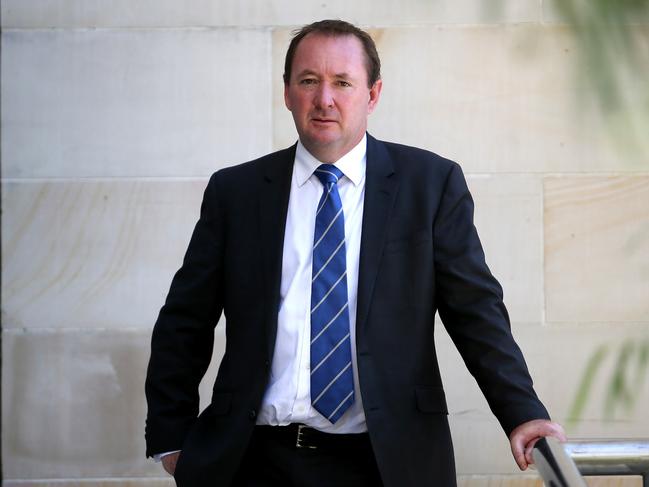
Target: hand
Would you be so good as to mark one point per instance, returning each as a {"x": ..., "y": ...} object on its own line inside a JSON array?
[
  {"x": 169, "y": 462},
  {"x": 525, "y": 435}
]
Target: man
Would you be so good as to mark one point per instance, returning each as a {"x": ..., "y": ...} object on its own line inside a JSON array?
[{"x": 329, "y": 260}]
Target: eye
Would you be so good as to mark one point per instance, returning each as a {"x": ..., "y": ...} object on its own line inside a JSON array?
[
  {"x": 344, "y": 83},
  {"x": 308, "y": 81}
]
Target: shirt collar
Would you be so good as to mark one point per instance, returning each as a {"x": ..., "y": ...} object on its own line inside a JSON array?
[{"x": 351, "y": 164}]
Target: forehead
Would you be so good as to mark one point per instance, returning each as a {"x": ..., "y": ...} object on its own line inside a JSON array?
[{"x": 330, "y": 54}]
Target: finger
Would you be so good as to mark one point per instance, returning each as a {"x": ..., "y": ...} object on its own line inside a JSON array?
[
  {"x": 528, "y": 456},
  {"x": 521, "y": 461},
  {"x": 551, "y": 429},
  {"x": 529, "y": 448},
  {"x": 519, "y": 454},
  {"x": 559, "y": 433}
]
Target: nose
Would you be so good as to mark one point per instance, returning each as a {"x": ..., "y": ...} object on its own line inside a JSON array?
[{"x": 323, "y": 97}]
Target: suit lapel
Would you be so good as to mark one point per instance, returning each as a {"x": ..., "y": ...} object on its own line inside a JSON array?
[
  {"x": 381, "y": 185},
  {"x": 273, "y": 205}
]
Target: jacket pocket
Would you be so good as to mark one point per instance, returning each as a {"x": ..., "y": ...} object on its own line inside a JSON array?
[{"x": 431, "y": 400}]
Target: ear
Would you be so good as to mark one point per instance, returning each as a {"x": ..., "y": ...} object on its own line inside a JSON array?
[
  {"x": 375, "y": 94},
  {"x": 287, "y": 101}
]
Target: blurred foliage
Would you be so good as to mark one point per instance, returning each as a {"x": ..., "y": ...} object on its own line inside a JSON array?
[
  {"x": 627, "y": 378},
  {"x": 613, "y": 46},
  {"x": 613, "y": 43}
]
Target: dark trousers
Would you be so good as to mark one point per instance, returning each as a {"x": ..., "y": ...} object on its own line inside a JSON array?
[{"x": 273, "y": 460}]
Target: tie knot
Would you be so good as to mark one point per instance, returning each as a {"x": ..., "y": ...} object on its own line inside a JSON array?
[{"x": 328, "y": 173}]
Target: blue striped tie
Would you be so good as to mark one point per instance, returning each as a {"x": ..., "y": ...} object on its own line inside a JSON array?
[{"x": 332, "y": 381}]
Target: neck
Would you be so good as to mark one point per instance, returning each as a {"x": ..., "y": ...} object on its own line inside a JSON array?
[{"x": 329, "y": 155}]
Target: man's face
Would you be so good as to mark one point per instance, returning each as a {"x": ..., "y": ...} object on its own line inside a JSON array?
[{"x": 328, "y": 94}]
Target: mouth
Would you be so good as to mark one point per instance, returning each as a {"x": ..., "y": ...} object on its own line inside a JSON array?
[{"x": 323, "y": 120}]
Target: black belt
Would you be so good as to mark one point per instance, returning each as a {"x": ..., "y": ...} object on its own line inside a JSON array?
[{"x": 301, "y": 436}]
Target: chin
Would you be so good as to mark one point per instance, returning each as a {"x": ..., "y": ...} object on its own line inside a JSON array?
[{"x": 318, "y": 135}]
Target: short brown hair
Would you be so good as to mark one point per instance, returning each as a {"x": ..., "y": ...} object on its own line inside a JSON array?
[{"x": 336, "y": 28}]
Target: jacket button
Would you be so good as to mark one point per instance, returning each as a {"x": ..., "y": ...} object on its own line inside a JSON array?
[{"x": 253, "y": 414}]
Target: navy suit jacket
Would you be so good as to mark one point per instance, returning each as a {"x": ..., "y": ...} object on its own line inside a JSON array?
[{"x": 420, "y": 253}]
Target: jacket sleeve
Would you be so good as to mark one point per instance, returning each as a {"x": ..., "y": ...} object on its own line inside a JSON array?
[
  {"x": 470, "y": 303},
  {"x": 183, "y": 336}
]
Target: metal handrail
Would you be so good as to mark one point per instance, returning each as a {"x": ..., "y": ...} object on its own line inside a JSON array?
[{"x": 611, "y": 457}]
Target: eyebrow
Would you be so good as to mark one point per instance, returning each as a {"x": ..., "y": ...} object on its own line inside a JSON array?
[{"x": 307, "y": 72}]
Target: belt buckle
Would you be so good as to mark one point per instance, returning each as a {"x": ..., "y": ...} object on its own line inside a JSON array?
[{"x": 299, "y": 438}]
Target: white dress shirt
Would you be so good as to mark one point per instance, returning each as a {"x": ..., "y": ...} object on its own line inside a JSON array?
[
  {"x": 288, "y": 399},
  {"x": 288, "y": 396}
]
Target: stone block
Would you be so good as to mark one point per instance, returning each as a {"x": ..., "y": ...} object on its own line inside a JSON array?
[
  {"x": 167, "y": 13},
  {"x": 284, "y": 133},
  {"x": 119, "y": 103},
  {"x": 74, "y": 407},
  {"x": 93, "y": 254},
  {"x": 597, "y": 249},
  {"x": 117, "y": 482},
  {"x": 558, "y": 358},
  {"x": 535, "y": 481},
  {"x": 462, "y": 481},
  {"x": 95, "y": 409},
  {"x": 499, "y": 481},
  {"x": 472, "y": 423},
  {"x": 614, "y": 481},
  {"x": 495, "y": 99},
  {"x": 508, "y": 216}
]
